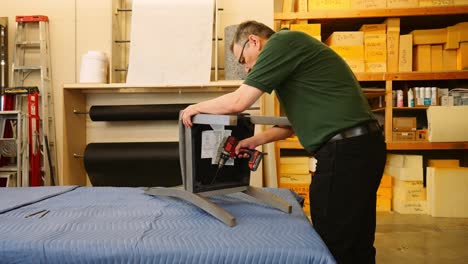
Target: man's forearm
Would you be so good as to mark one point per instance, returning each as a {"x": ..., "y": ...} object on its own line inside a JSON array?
[{"x": 273, "y": 134}]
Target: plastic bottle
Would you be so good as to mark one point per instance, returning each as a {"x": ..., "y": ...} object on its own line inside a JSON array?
[
  {"x": 434, "y": 96},
  {"x": 416, "y": 96},
  {"x": 399, "y": 98},
  {"x": 427, "y": 96},
  {"x": 410, "y": 98},
  {"x": 421, "y": 95}
]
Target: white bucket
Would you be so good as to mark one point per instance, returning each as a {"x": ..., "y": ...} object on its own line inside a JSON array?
[{"x": 94, "y": 65}]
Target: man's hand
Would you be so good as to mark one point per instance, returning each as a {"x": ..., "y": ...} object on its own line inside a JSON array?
[
  {"x": 248, "y": 143},
  {"x": 187, "y": 114}
]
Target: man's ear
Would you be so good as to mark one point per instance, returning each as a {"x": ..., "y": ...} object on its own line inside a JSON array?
[{"x": 256, "y": 41}]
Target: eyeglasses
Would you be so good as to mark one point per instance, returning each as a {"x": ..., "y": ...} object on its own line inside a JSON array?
[{"x": 241, "y": 57}]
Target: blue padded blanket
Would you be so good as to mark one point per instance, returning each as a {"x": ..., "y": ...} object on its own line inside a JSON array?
[{"x": 124, "y": 225}]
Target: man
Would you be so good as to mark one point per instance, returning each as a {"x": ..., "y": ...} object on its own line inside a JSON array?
[{"x": 332, "y": 119}]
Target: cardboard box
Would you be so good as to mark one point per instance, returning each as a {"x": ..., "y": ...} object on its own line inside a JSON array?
[
  {"x": 375, "y": 55},
  {"x": 426, "y": 3},
  {"x": 403, "y": 124},
  {"x": 356, "y": 65},
  {"x": 405, "y": 62},
  {"x": 436, "y": 58},
  {"x": 295, "y": 178},
  {"x": 383, "y": 205},
  {"x": 429, "y": 36},
  {"x": 368, "y": 4},
  {"x": 346, "y": 38},
  {"x": 327, "y": 4},
  {"x": 462, "y": 56},
  {"x": 402, "y": 3},
  {"x": 457, "y": 34},
  {"x": 405, "y": 161},
  {"x": 422, "y": 58},
  {"x": 409, "y": 190},
  {"x": 386, "y": 181},
  {"x": 393, "y": 43},
  {"x": 302, "y": 5},
  {"x": 443, "y": 163},
  {"x": 310, "y": 29},
  {"x": 447, "y": 123},
  {"x": 447, "y": 194},
  {"x": 350, "y": 52},
  {"x": 404, "y": 136},
  {"x": 294, "y": 165},
  {"x": 384, "y": 192},
  {"x": 449, "y": 60},
  {"x": 410, "y": 207},
  {"x": 393, "y": 24},
  {"x": 374, "y": 28},
  {"x": 375, "y": 66}
]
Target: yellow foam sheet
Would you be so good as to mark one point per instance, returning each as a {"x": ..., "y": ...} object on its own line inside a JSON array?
[{"x": 171, "y": 42}]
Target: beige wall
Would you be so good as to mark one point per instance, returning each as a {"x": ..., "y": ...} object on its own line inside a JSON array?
[{"x": 77, "y": 26}]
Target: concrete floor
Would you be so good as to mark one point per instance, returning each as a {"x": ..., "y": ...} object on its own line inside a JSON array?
[{"x": 421, "y": 239}]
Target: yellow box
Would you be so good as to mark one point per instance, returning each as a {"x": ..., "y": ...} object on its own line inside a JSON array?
[
  {"x": 429, "y": 36},
  {"x": 375, "y": 66},
  {"x": 422, "y": 58},
  {"x": 393, "y": 46},
  {"x": 350, "y": 52},
  {"x": 462, "y": 56},
  {"x": 460, "y": 2},
  {"x": 294, "y": 165},
  {"x": 311, "y": 29},
  {"x": 383, "y": 205},
  {"x": 375, "y": 41},
  {"x": 393, "y": 24},
  {"x": 295, "y": 178},
  {"x": 345, "y": 38},
  {"x": 302, "y": 6},
  {"x": 374, "y": 28},
  {"x": 436, "y": 58},
  {"x": 375, "y": 55},
  {"x": 327, "y": 4},
  {"x": 425, "y": 3},
  {"x": 449, "y": 60},
  {"x": 402, "y": 3},
  {"x": 368, "y": 4},
  {"x": 443, "y": 163},
  {"x": 405, "y": 61},
  {"x": 356, "y": 65},
  {"x": 384, "y": 192},
  {"x": 386, "y": 181},
  {"x": 288, "y": 6}
]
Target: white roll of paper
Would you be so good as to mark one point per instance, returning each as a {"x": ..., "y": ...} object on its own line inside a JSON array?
[{"x": 171, "y": 42}]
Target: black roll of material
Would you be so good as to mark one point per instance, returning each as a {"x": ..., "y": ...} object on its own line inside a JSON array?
[
  {"x": 140, "y": 164},
  {"x": 135, "y": 112}
]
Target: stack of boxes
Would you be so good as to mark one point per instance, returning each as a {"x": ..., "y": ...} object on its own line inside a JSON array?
[
  {"x": 375, "y": 47},
  {"x": 295, "y": 175},
  {"x": 385, "y": 194},
  {"x": 409, "y": 194},
  {"x": 350, "y": 46}
]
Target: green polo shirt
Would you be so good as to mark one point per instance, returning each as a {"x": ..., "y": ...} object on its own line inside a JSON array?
[{"x": 315, "y": 87}]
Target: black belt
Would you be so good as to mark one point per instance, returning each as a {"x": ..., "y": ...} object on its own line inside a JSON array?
[{"x": 360, "y": 130}]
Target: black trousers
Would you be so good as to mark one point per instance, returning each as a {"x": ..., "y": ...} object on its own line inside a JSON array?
[{"x": 343, "y": 196}]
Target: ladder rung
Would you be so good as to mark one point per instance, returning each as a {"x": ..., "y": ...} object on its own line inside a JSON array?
[
  {"x": 9, "y": 168},
  {"x": 27, "y": 68},
  {"x": 29, "y": 43}
]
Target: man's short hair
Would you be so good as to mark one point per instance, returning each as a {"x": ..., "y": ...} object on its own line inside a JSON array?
[{"x": 251, "y": 27}]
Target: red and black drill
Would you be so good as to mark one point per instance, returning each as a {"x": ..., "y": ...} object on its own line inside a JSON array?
[{"x": 227, "y": 150}]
